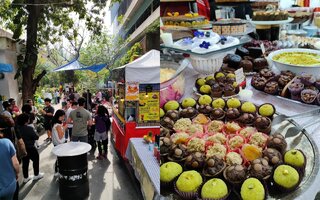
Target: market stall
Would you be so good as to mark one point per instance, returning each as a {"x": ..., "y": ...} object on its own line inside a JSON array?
[
  {"x": 223, "y": 139},
  {"x": 136, "y": 111}
]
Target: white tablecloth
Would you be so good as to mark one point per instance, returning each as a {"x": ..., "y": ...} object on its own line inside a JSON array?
[
  {"x": 283, "y": 107},
  {"x": 146, "y": 168}
]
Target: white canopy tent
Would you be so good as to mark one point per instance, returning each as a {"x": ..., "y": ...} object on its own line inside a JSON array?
[{"x": 145, "y": 69}]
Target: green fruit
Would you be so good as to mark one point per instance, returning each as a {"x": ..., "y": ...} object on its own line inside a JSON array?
[
  {"x": 218, "y": 103},
  {"x": 286, "y": 176},
  {"x": 169, "y": 170},
  {"x": 171, "y": 105},
  {"x": 205, "y": 89},
  {"x": 189, "y": 181},
  {"x": 188, "y": 102},
  {"x": 218, "y": 186},
  {"x": 205, "y": 100},
  {"x": 209, "y": 78},
  {"x": 295, "y": 158},
  {"x": 248, "y": 107},
  {"x": 220, "y": 75},
  {"x": 200, "y": 82},
  {"x": 251, "y": 189},
  {"x": 161, "y": 112},
  {"x": 233, "y": 103}
]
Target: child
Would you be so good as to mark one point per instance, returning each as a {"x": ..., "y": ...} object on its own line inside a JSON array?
[
  {"x": 102, "y": 123},
  {"x": 58, "y": 130}
]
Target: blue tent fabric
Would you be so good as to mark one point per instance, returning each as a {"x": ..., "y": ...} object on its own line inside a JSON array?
[
  {"x": 76, "y": 65},
  {"x": 6, "y": 67}
]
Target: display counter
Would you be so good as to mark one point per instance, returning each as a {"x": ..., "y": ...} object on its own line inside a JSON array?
[{"x": 145, "y": 166}]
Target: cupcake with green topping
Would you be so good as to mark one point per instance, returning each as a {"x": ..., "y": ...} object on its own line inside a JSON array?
[
  {"x": 218, "y": 103},
  {"x": 214, "y": 189},
  {"x": 251, "y": 189},
  {"x": 296, "y": 159},
  {"x": 248, "y": 107},
  {"x": 168, "y": 172},
  {"x": 266, "y": 110},
  {"x": 233, "y": 103},
  {"x": 286, "y": 178},
  {"x": 188, "y": 184}
]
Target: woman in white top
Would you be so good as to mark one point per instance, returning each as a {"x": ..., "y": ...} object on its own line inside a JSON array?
[{"x": 58, "y": 130}]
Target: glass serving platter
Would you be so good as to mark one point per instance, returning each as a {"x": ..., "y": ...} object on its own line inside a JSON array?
[{"x": 301, "y": 141}]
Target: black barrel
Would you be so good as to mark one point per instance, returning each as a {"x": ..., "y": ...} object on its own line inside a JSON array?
[{"x": 73, "y": 180}]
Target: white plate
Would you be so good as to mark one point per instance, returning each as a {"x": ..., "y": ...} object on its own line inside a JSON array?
[{"x": 272, "y": 22}]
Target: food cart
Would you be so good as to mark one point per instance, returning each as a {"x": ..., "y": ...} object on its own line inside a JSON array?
[{"x": 136, "y": 111}]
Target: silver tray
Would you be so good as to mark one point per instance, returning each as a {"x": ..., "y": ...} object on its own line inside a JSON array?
[{"x": 302, "y": 141}]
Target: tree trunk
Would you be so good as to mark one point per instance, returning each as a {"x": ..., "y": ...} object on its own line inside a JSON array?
[{"x": 29, "y": 84}]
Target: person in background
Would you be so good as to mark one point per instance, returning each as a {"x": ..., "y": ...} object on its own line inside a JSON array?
[
  {"x": 10, "y": 168},
  {"x": 88, "y": 96},
  {"x": 76, "y": 96},
  {"x": 102, "y": 123},
  {"x": 73, "y": 106},
  {"x": 27, "y": 109},
  {"x": 15, "y": 109},
  {"x": 57, "y": 97},
  {"x": 58, "y": 131},
  {"x": 29, "y": 136},
  {"x": 99, "y": 96},
  {"x": 81, "y": 119},
  {"x": 6, "y": 114},
  {"x": 47, "y": 113}
]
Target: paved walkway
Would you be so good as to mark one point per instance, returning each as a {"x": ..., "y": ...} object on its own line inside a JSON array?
[{"x": 109, "y": 179}]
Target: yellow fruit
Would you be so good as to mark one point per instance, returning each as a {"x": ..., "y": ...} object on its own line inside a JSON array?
[{"x": 176, "y": 14}]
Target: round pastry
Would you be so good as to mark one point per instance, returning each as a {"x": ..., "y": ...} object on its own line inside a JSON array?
[
  {"x": 234, "y": 61},
  {"x": 178, "y": 153},
  {"x": 220, "y": 76},
  {"x": 205, "y": 109},
  {"x": 307, "y": 79},
  {"x": 241, "y": 51},
  {"x": 288, "y": 73},
  {"x": 308, "y": 96},
  {"x": 216, "y": 90},
  {"x": 217, "y": 114},
  {"x": 188, "y": 102},
  {"x": 284, "y": 80},
  {"x": 233, "y": 103},
  {"x": 297, "y": 159},
  {"x": 259, "y": 139},
  {"x": 277, "y": 141},
  {"x": 196, "y": 145},
  {"x": 215, "y": 126},
  {"x": 266, "y": 73},
  {"x": 247, "y": 131},
  {"x": 248, "y": 107},
  {"x": 273, "y": 156},
  {"x": 205, "y": 89},
  {"x": 229, "y": 90},
  {"x": 200, "y": 82},
  {"x": 195, "y": 128},
  {"x": 236, "y": 142},
  {"x": 218, "y": 186},
  {"x": 272, "y": 87},
  {"x": 218, "y": 103},
  {"x": 266, "y": 110},
  {"x": 201, "y": 119},
  {"x": 246, "y": 119},
  {"x": 248, "y": 58},
  {"x": 213, "y": 167},
  {"x": 217, "y": 138},
  {"x": 255, "y": 52},
  {"x": 246, "y": 65},
  {"x": 260, "y": 168},
  {"x": 259, "y": 64},
  {"x": 195, "y": 161},
  {"x": 263, "y": 124},
  {"x": 167, "y": 123},
  {"x": 286, "y": 178},
  {"x": 188, "y": 113},
  {"x": 205, "y": 100},
  {"x": 169, "y": 171},
  {"x": 251, "y": 152},
  {"x": 217, "y": 150},
  {"x": 233, "y": 158},
  {"x": 172, "y": 114},
  {"x": 232, "y": 114},
  {"x": 259, "y": 82},
  {"x": 295, "y": 88},
  {"x": 209, "y": 78},
  {"x": 235, "y": 174},
  {"x": 182, "y": 124},
  {"x": 251, "y": 189},
  {"x": 232, "y": 127},
  {"x": 188, "y": 184},
  {"x": 165, "y": 145}
]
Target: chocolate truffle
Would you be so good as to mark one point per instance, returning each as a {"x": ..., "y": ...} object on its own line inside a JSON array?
[
  {"x": 284, "y": 80},
  {"x": 188, "y": 112},
  {"x": 205, "y": 109},
  {"x": 229, "y": 90},
  {"x": 235, "y": 174},
  {"x": 259, "y": 82},
  {"x": 277, "y": 141},
  {"x": 195, "y": 161},
  {"x": 272, "y": 87},
  {"x": 178, "y": 152},
  {"x": 288, "y": 73},
  {"x": 260, "y": 169},
  {"x": 217, "y": 114},
  {"x": 232, "y": 114},
  {"x": 216, "y": 90},
  {"x": 267, "y": 73},
  {"x": 246, "y": 118},
  {"x": 263, "y": 124},
  {"x": 172, "y": 114},
  {"x": 259, "y": 64},
  {"x": 246, "y": 65},
  {"x": 273, "y": 156},
  {"x": 213, "y": 167}
]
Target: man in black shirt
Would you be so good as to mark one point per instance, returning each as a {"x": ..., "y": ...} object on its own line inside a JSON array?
[{"x": 47, "y": 113}]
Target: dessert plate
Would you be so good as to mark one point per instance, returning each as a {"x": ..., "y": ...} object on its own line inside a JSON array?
[{"x": 272, "y": 22}]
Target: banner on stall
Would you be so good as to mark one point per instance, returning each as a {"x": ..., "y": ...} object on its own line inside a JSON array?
[
  {"x": 132, "y": 91},
  {"x": 149, "y": 102}
]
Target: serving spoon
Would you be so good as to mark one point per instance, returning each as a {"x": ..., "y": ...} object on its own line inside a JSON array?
[{"x": 293, "y": 131}]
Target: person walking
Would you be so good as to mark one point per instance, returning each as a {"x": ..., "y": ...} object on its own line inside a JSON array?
[
  {"x": 47, "y": 113},
  {"x": 58, "y": 131},
  {"x": 29, "y": 136},
  {"x": 102, "y": 125},
  {"x": 81, "y": 119},
  {"x": 9, "y": 166}
]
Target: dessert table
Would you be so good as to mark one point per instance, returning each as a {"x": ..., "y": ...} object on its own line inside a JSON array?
[
  {"x": 283, "y": 107},
  {"x": 146, "y": 168}
]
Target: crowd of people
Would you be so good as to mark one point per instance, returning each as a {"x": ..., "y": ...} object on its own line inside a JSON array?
[{"x": 77, "y": 120}]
